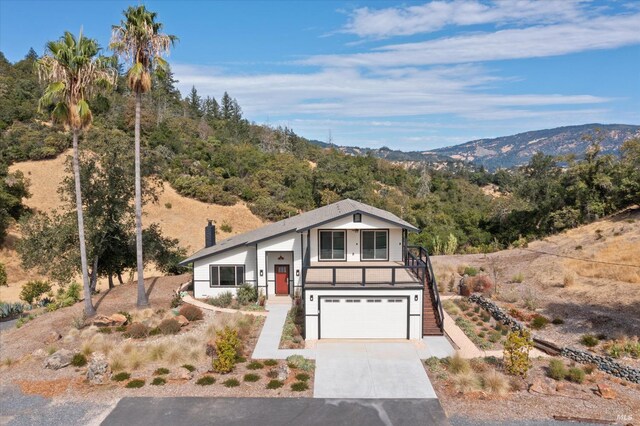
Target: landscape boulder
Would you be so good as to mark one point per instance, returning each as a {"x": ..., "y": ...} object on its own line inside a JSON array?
[
  {"x": 282, "y": 371},
  {"x": 52, "y": 337},
  {"x": 605, "y": 391},
  {"x": 180, "y": 374},
  {"x": 39, "y": 353},
  {"x": 98, "y": 371},
  {"x": 102, "y": 321},
  {"x": 118, "y": 319},
  {"x": 58, "y": 360},
  {"x": 542, "y": 386},
  {"x": 182, "y": 320}
]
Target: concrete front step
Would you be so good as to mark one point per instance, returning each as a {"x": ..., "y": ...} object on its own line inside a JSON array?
[{"x": 279, "y": 300}]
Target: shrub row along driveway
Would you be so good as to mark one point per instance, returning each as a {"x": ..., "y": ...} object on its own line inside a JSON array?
[{"x": 352, "y": 369}]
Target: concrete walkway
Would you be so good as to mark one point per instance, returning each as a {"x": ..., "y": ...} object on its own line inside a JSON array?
[
  {"x": 269, "y": 340},
  {"x": 370, "y": 369},
  {"x": 435, "y": 346}
]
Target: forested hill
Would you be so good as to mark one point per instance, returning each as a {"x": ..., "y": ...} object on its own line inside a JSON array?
[
  {"x": 207, "y": 150},
  {"x": 511, "y": 151}
]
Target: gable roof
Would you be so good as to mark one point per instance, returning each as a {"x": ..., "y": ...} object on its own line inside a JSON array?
[{"x": 300, "y": 223}]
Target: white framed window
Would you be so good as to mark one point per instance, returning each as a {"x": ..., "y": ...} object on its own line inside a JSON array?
[
  {"x": 332, "y": 245},
  {"x": 226, "y": 275},
  {"x": 375, "y": 245}
]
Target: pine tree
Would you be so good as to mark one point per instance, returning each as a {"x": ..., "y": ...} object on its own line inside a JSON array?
[
  {"x": 194, "y": 103},
  {"x": 227, "y": 107}
]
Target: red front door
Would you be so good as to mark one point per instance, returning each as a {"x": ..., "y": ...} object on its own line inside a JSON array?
[{"x": 282, "y": 279}]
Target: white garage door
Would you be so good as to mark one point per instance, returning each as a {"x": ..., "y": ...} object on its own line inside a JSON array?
[{"x": 363, "y": 318}]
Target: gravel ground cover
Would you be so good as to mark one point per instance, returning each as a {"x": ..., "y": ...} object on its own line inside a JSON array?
[
  {"x": 24, "y": 351},
  {"x": 531, "y": 401}
]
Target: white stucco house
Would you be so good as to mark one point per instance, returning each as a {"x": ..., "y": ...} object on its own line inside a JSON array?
[{"x": 349, "y": 264}]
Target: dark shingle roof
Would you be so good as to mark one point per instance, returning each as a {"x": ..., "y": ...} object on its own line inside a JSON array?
[{"x": 300, "y": 223}]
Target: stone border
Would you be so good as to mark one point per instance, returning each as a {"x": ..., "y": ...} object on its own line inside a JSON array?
[
  {"x": 188, "y": 299},
  {"x": 604, "y": 363}
]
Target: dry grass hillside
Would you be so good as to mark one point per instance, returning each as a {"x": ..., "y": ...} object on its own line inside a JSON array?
[
  {"x": 179, "y": 217},
  {"x": 577, "y": 276}
]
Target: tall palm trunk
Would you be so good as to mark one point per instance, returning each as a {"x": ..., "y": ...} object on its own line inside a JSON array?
[
  {"x": 142, "y": 295},
  {"x": 89, "y": 310}
]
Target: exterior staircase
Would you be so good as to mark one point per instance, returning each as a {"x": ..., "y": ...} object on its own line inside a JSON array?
[
  {"x": 429, "y": 317},
  {"x": 278, "y": 300}
]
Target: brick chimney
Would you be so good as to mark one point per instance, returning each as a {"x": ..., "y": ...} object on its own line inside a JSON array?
[{"x": 210, "y": 234}]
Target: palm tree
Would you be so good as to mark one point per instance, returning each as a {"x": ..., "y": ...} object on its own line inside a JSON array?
[
  {"x": 138, "y": 40},
  {"x": 73, "y": 71}
]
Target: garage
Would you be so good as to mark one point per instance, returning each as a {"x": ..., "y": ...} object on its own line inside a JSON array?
[{"x": 366, "y": 317}]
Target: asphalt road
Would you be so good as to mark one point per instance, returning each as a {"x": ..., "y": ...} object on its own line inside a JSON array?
[{"x": 275, "y": 412}]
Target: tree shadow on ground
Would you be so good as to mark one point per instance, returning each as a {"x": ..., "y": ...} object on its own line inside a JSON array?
[{"x": 588, "y": 318}]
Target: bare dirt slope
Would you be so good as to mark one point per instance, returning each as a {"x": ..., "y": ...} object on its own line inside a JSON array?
[
  {"x": 563, "y": 277},
  {"x": 179, "y": 217}
]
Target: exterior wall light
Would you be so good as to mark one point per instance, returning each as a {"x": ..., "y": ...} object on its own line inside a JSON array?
[
  {"x": 261, "y": 273},
  {"x": 311, "y": 298},
  {"x": 415, "y": 297},
  {"x": 297, "y": 272}
]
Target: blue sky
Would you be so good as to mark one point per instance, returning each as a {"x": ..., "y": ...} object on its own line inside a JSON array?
[{"x": 411, "y": 75}]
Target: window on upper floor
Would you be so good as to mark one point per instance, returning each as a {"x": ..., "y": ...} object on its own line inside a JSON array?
[
  {"x": 375, "y": 245},
  {"x": 332, "y": 245}
]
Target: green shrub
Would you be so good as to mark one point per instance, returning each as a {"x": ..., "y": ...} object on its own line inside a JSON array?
[
  {"x": 155, "y": 331},
  {"x": 589, "y": 340},
  {"x": 206, "y": 381},
  {"x": 158, "y": 381},
  {"x": 223, "y": 300},
  {"x": 231, "y": 383},
  {"x": 255, "y": 365},
  {"x": 192, "y": 313},
  {"x": 495, "y": 336},
  {"x": 300, "y": 362},
  {"x": 272, "y": 374},
  {"x": 471, "y": 271},
  {"x": 169, "y": 326},
  {"x": 539, "y": 322},
  {"x": 557, "y": 321},
  {"x": 32, "y": 290},
  {"x": 72, "y": 293},
  {"x": 251, "y": 377},
  {"x": 227, "y": 345},
  {"x": 275, "y": 384},
  {"x": 299, "y": 386},
  {"x": 79, "y": 360},
  {"x": 120, "y": 377},
  {"x": 189, "y": 367},
  {"x": 589, "y": 368},
  {"x": 556, "y": 369},
  {"x": 457, "y": 364},
  {"x": 246, "y": 294},
  {"x": 3, "y": 276},
  {"x": 517, "y": 278},
  {"x": 226, "y": 227},
  {"x": 176, "y": 301},
  {"x": 302, "y": 377},
  {"x": 137, "y": 330},
  {"x": 240, "y": 359},
  {"x": 105, "y": 330},
  {"x": 270, "y": 362},
  {"x": 135, "y": 383},
  {"x": 516, "y": 353},
  {"x": 161, "y": 371},
  {"x": 575, "y": 375}
]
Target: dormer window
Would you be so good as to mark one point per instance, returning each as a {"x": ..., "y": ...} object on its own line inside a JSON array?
[{"x": 357, "y": 218}]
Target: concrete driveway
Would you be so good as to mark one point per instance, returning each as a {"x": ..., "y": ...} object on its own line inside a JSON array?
[{"x": 354, "y": 369}]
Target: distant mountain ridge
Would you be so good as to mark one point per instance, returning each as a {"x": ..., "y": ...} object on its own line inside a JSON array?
[{"x": 510, "y": 151}]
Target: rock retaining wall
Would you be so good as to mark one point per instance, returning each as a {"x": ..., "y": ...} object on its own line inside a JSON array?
[{"x": 604, "y": 363}]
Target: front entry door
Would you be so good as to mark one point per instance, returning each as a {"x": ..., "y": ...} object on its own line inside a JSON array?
[{"x": 282, "y": 279}]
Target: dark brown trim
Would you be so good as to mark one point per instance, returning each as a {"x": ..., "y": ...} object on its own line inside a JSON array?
[
  {"x": 344, "y": 231},
  {"x": 362, "y": 231}
]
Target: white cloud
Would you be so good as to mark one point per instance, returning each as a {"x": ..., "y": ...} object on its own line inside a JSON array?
[
  {"x": 347, "y": 92},
  {"x": 605, "y": 32},
  {"x": 435, "y": 15}
]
